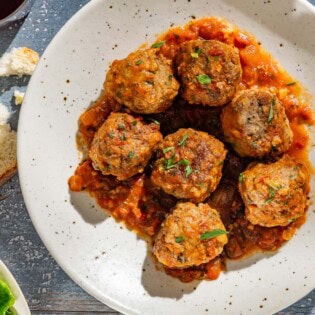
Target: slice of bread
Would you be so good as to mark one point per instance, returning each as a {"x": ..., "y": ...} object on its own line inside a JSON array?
[
  {"x": 19, "y": 61},
  {"x": 8, "y": 164}
]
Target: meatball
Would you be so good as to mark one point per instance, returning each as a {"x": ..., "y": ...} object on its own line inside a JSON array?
[
  {"x": 210, "y": 71},
  {"x": 143, "y": 82},
  {"x": 256, "y": 125},
  {"x": 191, "y": 235},
  {"x": 274, "y": 194},
  {"x": 123, "y": 145},
  {"x": 189, "y": 164}
]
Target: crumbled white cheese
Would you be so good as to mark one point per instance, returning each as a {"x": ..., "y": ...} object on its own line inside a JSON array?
[
  {"x": 19, "y": 97},
  {"x": 19, "y": 61},
  {"x": 4, "y": 114}
]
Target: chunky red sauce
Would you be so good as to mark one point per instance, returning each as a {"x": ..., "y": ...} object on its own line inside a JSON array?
[{"x": 142, "y": 207}]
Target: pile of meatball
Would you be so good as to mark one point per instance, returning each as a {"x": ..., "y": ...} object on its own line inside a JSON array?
[{"x": 188, "y": 163}]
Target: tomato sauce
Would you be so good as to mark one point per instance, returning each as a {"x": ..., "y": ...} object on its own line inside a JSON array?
[{"x": 143, "y": 208}]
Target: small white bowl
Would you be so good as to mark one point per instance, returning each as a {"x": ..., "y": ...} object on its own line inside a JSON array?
[{"x": 20, "y": 305}]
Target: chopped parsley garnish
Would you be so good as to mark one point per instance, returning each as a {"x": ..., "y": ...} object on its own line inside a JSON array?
[
  {"x": 158, "y": 44},
  {"x": 131, "y": 154},
  {"x": 211, "y": 234},
  {"x": 241, "y": 178},
  {"x": 111, "y": 134},
  {"x": 270, "y": 115},
  {"x": 188, "y": 170},
  {"x": 179, "y": 239},
  {"x": 122, "y": 137},
  {"x": 183, "y": 162},
  {"x": 168, "y": 149},
  {"x": 291, "y": 83},
  {"x": 197, "y": 52},
  {"x": 154, "y": 121},
  {"x": 170, "y": 77},
  {"x": 139, "y": 62},
  {"x": 203, "y": 79},
  {"x": 169, "y": 163},
  {"x": 134, "y": 123},
  {"x": 184, "y": 140},
  {"x": 121, "y": 126},
  {"x": 272, "y": 194}
]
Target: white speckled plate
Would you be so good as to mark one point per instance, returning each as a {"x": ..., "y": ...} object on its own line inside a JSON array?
[{"x": 108, "y": 261}]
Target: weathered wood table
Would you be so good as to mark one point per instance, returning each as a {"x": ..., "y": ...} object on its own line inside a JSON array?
[{"x": 47, "y": 288}]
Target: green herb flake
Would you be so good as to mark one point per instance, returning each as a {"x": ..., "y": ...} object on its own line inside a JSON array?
[
  {"x": 154, "y": 121},
  {"x": 131, "y": 154},
  {"x": 221, "y": 163},
  {"x": 139, "y": 62},
  {"x": 179, "y": 239},
  {"x": 111, "y": 134},
  {"x": 169, "y": 163},
  {"x": 291, "y": 83},
  {"x": 188, "y": 170},
  {"x": 203, "y": 79},
  {"x": 122, "y": 137},
  {"x": 183, "y": 162},
  {"x": 168, "y": 149},
  {"x": 121, "y": 126},
  {"x": 270, "y": 115},
  {"x": 170, "y": 77},
  {"x": 182, "y": 142},
  {"x": 241, "y": 178},
  {"x": 134, "y": 123},
  {"x": 7, "y": 299},
  {"x": 158, "y": 44},
  {"x": 212, "y": 234},
  {"x": 272, "y": 194}
]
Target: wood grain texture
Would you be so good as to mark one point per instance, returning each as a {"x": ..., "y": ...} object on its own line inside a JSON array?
[{"x": 47, "y": 288}]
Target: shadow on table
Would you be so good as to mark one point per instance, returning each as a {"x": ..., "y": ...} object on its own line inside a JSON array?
[
  {"x": 8, "y": 33},
  {"x": 157, "y": 283},
  {"x": 87, "y": 208}
]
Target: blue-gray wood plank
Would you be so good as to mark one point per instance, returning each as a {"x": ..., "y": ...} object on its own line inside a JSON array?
[{"x": 47, "y": 288}]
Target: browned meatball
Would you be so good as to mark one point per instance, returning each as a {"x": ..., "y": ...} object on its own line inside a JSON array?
[
  {"x": 274, "y": 194},
  {"x": 143, "y": 81},
  {"x": 123, "y": 145},
  {"x": 256, "y": 125},
  {"x": 210, "y": 71},
  {"x": 191, "y": 235},
  {"x": 189, "y": 164}
]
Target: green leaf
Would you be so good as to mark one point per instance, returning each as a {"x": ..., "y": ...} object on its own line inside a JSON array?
[
  {"x": 270, "y": 115},
  {"x": 183, "y": 162},
  {"x": 169, "y": 163},
  {"x": 203, "y": 79},
  {"x": 272, "y": 194},
  {"x": 179, "y": 239},
  {"x": 211, "y": 234},
  {"x": 6, "y": 298},
  {"x": 154, "y": 121},
  {"x": 183, "y": 141},
  {"x": 131, "y": 154},
  {"x": 241, "y": 178},
  {"x": 168, "y": 149},
  {"x": 139, "y": 62},
  {"x": 291, "y": 83},
  {"x": 158, "y": 44},
  {"x": 188, "y": 170}
]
